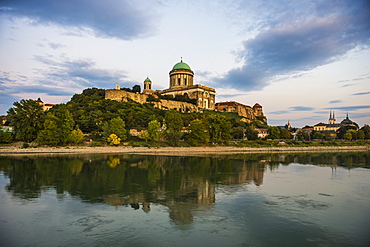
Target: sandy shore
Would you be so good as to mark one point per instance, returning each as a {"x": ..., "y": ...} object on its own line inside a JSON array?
[{"x": 174, "y": 150}]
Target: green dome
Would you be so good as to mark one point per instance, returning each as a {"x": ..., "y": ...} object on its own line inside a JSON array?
[
  {"x": 181, "y": 65},
  {"x": 147, "y": 79}
]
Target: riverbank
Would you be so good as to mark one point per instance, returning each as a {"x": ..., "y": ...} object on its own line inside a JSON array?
[{"x": 176, "y": 150}]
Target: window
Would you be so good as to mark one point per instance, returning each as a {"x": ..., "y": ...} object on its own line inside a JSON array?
[
  {"x": 178, "y": 81},
  {"x": 185, "y": 81}
]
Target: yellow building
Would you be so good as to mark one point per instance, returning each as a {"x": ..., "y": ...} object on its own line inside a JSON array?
[{"x": 332, "y": 126}]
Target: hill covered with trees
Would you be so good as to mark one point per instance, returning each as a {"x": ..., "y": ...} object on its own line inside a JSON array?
[{"x": 89, "y": 116}]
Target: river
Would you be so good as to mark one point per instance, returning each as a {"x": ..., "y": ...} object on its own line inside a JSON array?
[{"x": 310, "y": 199}]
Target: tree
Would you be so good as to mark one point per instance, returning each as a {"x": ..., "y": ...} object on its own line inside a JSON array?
[
  {"x": 251, "y": 133},
  {"x": 360, "y": 135},
  {"x": 285, "y": 134},
  {"x": 153, "y": 130},
  {"x": 343, "y": 130},
  {"x": 238, "y": 132},
  {"x": 366, "y": 130},
  {"x": 114, "y": 126},
  {"x": 318, "y": 135},
  {"x": 144, "y": 135},
  {"x": 113, "y": 139},
  {"x": 173, "y": 120},
  {"x": 348, "y": 136},
  {"x": 353, "y": 134},
  {"x": 50, "y": 134},
  {"x": 58, "y": 127},
  {"x": 273, "y": 132},
  {"x": 174, "y": 125},
  {"x": 27, "y": 118},
  {"x": 136, "y": 89},
  {"x": 65, "y": 123},
  {"x": 5, "y": 137},
  {"x": 77, "y": 136},
  {"x": 198, "y": 132},
  {"x": 219, "y": 128}
]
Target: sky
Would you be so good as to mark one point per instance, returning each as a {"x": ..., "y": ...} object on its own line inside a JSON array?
[{"x": 299, "y": 59}]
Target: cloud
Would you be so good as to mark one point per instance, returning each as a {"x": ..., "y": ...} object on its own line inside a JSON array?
[
  {"x": 335, "y": 101},
  {"x": 55, "y": 46},
  {"x": 301, "y": 108},
  {"x": 279, "y": 112},
  {"x": 57, "y": 76},
  {"x": 76, "y": 73},
  {"x": 299, "y": 39},
  {"x": 350, "y": 108},
  {"x": 362, "y": 93},
  {"x": 122, "y": 19}
]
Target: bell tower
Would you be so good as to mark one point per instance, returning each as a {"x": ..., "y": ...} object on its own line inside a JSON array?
[{"x": 147, "y": 86}]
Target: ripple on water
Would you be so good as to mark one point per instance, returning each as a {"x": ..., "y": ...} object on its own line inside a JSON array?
[{"x": 88, "y": 223}]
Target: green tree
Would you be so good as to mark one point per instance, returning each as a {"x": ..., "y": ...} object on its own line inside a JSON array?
[
  {"x": 219, "y": 128},
  {"x": 77, "y": 136},
  {"x": 58, "y": 127},
  {"x": 285, "y": 134},
  {"x": 238, "y": 132},
  {"x": 348, "y": 136},
  {"x": 114, "y": 126},
  {"x": 5, "y": 137},
  {"x": 366, "y": 130},
  {"x": 27, "y": 118},
  {"x": 144, "y": 135},
  {"x": 353, "y": 133},
  {"x": 251, "y": 133},
  {"x": 50, "y": 134},
  {"x": 174, "y": 125},
  {"x": 273, "y": 132},
  {"x": 318, "y": 135},
  {"x": 198, "y": 132},
  {"x": 65, "y": 123},
  {"x": 136, "y": 89},
  {"x": 360, "y": 135},
  {"x": 153, "y": 130},
  {"x": 173, "y": 120}
]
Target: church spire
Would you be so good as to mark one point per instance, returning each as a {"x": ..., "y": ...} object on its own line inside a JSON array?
[{"x": 332, "y": 117}]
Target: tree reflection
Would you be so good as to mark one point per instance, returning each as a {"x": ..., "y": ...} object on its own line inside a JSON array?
[{"x": 182, "y": 184}]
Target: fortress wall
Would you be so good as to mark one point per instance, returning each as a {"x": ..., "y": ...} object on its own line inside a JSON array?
[{"x": 121, "y": 95}]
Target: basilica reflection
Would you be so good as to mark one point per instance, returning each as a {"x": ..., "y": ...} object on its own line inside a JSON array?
[{"x": 181, "y": 184}]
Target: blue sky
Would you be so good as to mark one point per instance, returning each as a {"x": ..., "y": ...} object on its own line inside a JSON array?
[{"x": 298, "y": 59}]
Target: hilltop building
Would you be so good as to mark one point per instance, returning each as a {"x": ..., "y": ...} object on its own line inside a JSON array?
[
  {"x": 181, "y": 83},
  {"x": 45, "y": 107},
  {"x": 249, "y": 113}
]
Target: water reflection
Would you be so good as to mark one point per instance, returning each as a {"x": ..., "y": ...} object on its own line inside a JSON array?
[
  {"x": 182, "y": 184},
  {"x": 255, "y": 193}
]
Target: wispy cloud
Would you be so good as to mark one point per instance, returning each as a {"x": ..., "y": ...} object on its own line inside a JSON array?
[
  {"x": 122, "y": 19},
  {"x": 278, "y": 112},
  {"x": 335, "y": 101},
  {"x": 301, "y": 108},
  {"x": 362, "y": 93},
  {"x": 350, "y": 108},
  {"x": 301, "y": 38}
]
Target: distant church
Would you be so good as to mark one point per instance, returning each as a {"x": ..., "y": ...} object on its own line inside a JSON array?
[
  {"x": 181, "y": 82},
  {"x": 332, "y": 126}
]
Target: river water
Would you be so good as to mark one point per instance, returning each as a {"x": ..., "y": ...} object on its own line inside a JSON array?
[{"x": 317, "y": 199}]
